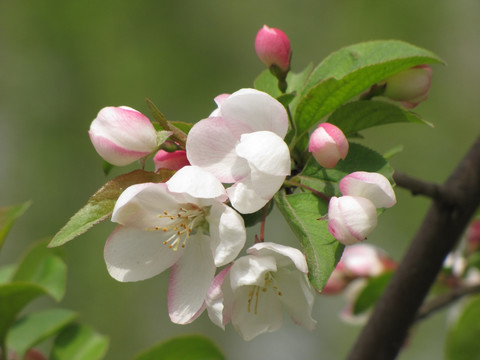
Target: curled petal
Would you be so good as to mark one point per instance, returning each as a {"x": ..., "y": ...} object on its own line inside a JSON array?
[
  {"x": 244, "y": 198},
  {"x": 284, "y": 255},
  {"x": 215, "y": 299}
]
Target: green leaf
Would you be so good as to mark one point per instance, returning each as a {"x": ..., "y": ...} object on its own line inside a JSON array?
[
  {"x": 100, "y": 206},
  {"x": 370, "y": 294},
  {"x": 462, "y": 338},
  {"x": 8, "y": 216},
  {"x": 32, "y": 329},
  {"x": 6, "y": 273},
  {"x": 186, "y": 347},
  {"x": 43, "y": 267},
  {"x": 302, "y": 212},
  {"x": 184, "y": 126},
  {"x": 79, "y": 342},
  {"x": 350, "y": 71},
  {"x": 358, "y": 115}
]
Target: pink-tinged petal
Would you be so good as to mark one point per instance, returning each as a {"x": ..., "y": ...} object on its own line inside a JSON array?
[
  {"x": 244, "y": 198},
  {"x": 370, "y": 185},
  {"x": 220, "y": 99},
  {"x": 328, "y": 144},
  {"x": 170, "y": 160},
  {"x": 284, "y": 255},
  {"x": 227, "y": 233},
  {"x": 251, "y": 270},
  {"x": 265, "y": 151},
  {"x": 215, "y": 299},
  {"x": 296, "y": 296},
  {"x": 190, "y": 280},
  {"x": 133, "y": 255},
  {"x": 363, "y": 260},
  {"x": 211, "y": 145},
  {"x": 249, "y": 110},
  {"x": 351, "y": 219},
  {"x": 256, "y": 315},
  {"x": 197, "y": 183}
]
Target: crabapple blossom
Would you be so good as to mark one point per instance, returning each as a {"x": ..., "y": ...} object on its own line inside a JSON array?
[
  {"x": 351, "y": 218},
  {"x": 250, "y": 294},
  {"x": 122, "y": 135},
  {"x": 370, "y": 185},
  {"x": 182, "y": 224},
  {"x": 273, "y": 48},
  {"x": 328, "y": 144},
  {"x": 242, "y": 143},
  {"x": 410, "y": 86},
  {"x": 170, "y": 160}
]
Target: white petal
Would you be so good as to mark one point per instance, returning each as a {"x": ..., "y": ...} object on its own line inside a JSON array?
[
  {"x": 190, "y": 280},
  {"x": 251, "y": 270},
  {"x": 373, "y": 186},
  {"x": 256, "y": 311},
  {"x": 249, "y": 110},
  {"x": 133, "y": 255},
  {"x": 284, "y": 255},
  {"x": 214, "y": 299},
  {"x": 297, "y": 296},
  {"x": 244, "y": 198},
  {"x": 227, "y": 232},
  {"x": 266, "y": 186},
  {"x": 266, "y": 151},
  {"x": 211, "y": 145},
  {"x": 197, "y": 183}
]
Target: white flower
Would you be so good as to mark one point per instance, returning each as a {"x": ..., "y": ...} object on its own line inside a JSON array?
[
  {"x": 242, "y": 143},
  {"x": 252, "y": 291},
  {"x": 181, "y": 224}
]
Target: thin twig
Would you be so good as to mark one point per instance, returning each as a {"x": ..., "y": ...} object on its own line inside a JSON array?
[{"x": 312, "y": 190}]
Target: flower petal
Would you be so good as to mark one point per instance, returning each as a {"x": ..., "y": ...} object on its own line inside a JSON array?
[
  {"x": 284, "y": 255},
  {"x": 370, "y": 185},
  {"x": 215, "y": 299},
  {"x": 244, "y": 198},
  {"x": 227, "y": 232},
  {"x": 251, "y": 270},
  {"x": 133, "y": 255},
  {"x": 190, "y": 280}
]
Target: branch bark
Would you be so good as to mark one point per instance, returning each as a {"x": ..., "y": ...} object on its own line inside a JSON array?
[{"x": 385, "y": 333}]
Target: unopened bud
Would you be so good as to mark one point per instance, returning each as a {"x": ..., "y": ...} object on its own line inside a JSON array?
[
  {"x": 170, "y": 160},
  {"x": 273, "y": 48},
  {"x": 328, "y": 144},
  {"x": 373, "y": 186}
]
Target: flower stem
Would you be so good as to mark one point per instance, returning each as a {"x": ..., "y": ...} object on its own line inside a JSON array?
[{"x": 315, "y": 192}]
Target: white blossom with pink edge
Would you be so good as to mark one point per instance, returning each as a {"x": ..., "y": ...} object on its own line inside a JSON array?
[
  {"x": 242, "y": 143},
  {"x": 181, "y": 224},
  {"x": 373, "y": 186},
  {"x": 351, "y": 218},
  {"x": 250, "y": 294},
  {"x": 328, "y": 145},
  {"x": 122, "y": 135}
]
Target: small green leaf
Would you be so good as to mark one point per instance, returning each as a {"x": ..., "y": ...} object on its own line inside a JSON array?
[
  {"x": 6, "y": 273},
  {"x": 186, "y": 347},
  {"x": 350, "y": 71},
  {"x": 302, "y": 212},
  {"x": 183, "y": 126},
  {"x": 32, "y": 329},
  {"x": 100, "y": 206},
  {"x": 178, "y": 135},
  {"x": 79, "y": 342},
  {"x": 44, "y": 267},
  {"x": 8, "y": 216},
  {"x": 370, "y": 294},
  {"x": 462, "y": 338},
  {"x": 358, "y": 115}
]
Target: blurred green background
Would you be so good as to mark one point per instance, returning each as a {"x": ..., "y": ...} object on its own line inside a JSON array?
[{"x": 62, "y": 61}]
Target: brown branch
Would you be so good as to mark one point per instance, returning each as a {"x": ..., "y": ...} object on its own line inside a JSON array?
[{"x": 385, "y": 333}]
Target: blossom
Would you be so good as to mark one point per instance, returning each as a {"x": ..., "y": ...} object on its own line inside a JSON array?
[
  {"x": 351, "y": 218},
  {"x": 370, "y": 185},
  {"x": 170, "y": 160},
  {"x": 182, "y": 224},
  {"x": 122, "y": 135},
  {"x": 250, "y": 294},
  {"x": 242, "y": 143},
  {"x": 328, "y": 144},
  {"x": 410, "y": 86},
  {"x": 273, "y": 48}
]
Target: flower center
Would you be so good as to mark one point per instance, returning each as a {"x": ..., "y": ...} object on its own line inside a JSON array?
[
  {"x": 254, "y": 294},
  {"x": 180, "y": 224}
]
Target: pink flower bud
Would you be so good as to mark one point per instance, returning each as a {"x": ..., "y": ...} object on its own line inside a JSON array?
[
  {"x": 273, "y": 48},
  {"x": 473, "y": 236},
  {"x": 170, "y": 160},
  {"x": 410, "y": 86},
  {"x": 122, "y": 135},
  {"x": 351, "y": 218},
  {"x": 328, "y": 144},
  {"x": 373, "y": 186}
]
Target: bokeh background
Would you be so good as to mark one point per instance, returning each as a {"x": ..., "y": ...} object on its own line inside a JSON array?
[{"x": 62, "y": 61}]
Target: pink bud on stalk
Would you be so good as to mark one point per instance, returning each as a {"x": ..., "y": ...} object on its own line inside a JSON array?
[
  {"x": 370, "y": 185},
  {"x": 273, "y": 48},
  {"x": 328, "y": 144},
  {"x": 410, "y": 86},
  {"x": 122, "y": 135},
  {"x": 170, "y": 160}
]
